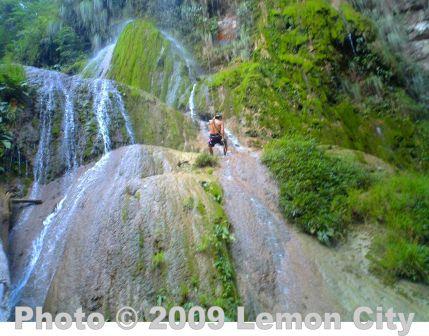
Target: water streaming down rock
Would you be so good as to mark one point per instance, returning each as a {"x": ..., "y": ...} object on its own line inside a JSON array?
[
  {"x": 69, "y": 127},
  {"x": 99, "y": 65},
  {"x": 101, "y": 107},
  {"x": 184, "y": 54},
  {"x": 192, "y": 103},
  {"x": 61, "y": 94},
  {"x": 173, "y": 88},
  {"x": 49, "y": 86},
  {"x": 33, "y": 283}
]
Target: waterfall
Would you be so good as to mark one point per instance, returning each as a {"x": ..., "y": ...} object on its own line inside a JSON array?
[
  {"x": 35, "y": 254},
  {"x": 99, "y": 65},
  {"x": 174, "y": 85},
  {"x": 49, "y": 86},
  {"x": 35, "y": 279},
  {"x": 100, "y": 107},
  {"x": 119, "y": 102},
  {"x": 59, "y": 95},
  {"x": 69, "y": 127},
  {"x": 192, "y": 102},
  {"x": 184, "y": 55}
]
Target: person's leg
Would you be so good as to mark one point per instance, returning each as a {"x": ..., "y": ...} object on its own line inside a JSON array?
[
  {"x": 225, "y": 147},
  {"x": 210, "y": 150}
]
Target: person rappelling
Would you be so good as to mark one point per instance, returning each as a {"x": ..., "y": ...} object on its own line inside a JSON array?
[{"x": 217, "y": 134}]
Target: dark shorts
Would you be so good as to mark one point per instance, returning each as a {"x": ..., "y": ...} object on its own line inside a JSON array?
[{"x": 216, "y": 140}]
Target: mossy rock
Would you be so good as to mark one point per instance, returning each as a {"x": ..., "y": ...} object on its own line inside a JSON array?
[
  {"x": 145, "y": 60},
  {"x": 155, "y": 123}
]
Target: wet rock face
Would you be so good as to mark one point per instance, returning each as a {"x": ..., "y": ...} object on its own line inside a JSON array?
[
  {"x": 416, "y": 18},
  {"x": 131, "y": 230}
]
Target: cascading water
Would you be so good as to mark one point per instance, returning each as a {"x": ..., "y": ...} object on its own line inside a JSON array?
[
  {"x": 183, "y": 53},
  {"x": 174, "y": 85},
  {"x": 101, "y": 105},
  {"x": 99, "y": 66},
  {"x": 59, "y": 93},
  {"x": 69, "y": 126},
  {"x": 49, "y": 87},
  {"x": 192, "y": 102}
]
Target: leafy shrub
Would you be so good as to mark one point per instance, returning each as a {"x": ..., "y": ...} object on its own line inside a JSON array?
[
  {"x": 401, "y": 205},
  {"x": 12, "y": 93},
  {"x": 206, "y": 160},
  {"x": 314, "y": 187}
]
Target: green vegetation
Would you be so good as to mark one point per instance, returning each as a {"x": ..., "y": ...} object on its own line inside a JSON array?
[
  {"x": 306, "y": 78},
  {"x": 212, "y": 244},
  {"x": 314, "y": 186},
  {"x": 205, "y": 160},
  {"x": 189, "y": 204},
  {"x": 158, "y": 259},
  {"x": 30, "y": 33},
  {"x": 325, "y": 190},
  {"x": 138, "y": 55},
  {"x": 217, "y": 244},
  {"x": 401, "y": 205},
  {"x": 13, "y": 91},
  {"x": 145, "y": 60},
  {"x": 154, "y": 123},
  {"x": 319, "y": 73}
]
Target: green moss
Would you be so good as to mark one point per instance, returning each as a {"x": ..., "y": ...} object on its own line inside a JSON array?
[
  {"x": 154, "y": 123},
  {"x": 158, "y": 259},
  {"x": 189, "y": 204},
  {"x": 124, "y": 212},
  {"x": 401, "y": 205},
  {"x": 217, "y": 243},
  {"x": 136, "y": 55},
  {"x": 145, "y": 60},
  {"x": 201, "y": 208},
  {"x": 304, "y": 78}
]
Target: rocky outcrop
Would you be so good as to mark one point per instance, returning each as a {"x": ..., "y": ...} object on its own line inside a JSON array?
[
  {"x": 137, "y": 228},
  {"x": 404, "y": 24}
]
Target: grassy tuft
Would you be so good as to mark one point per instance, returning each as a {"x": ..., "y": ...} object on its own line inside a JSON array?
[
  {"x": 205, "y": 160},
  {"x": 401, "y": 205}
]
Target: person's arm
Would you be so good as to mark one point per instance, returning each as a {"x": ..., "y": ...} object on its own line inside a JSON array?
[{"x": 222, "y": 129}]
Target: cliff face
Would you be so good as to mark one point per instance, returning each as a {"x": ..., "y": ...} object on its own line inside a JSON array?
[
  {"x": 138, "y": 229},
  {"x": 415, "y": 15},
  {"x": 404, "y": 24}
]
